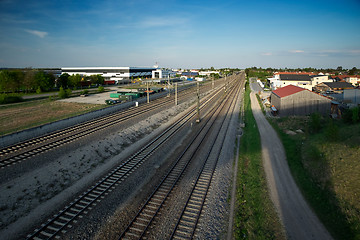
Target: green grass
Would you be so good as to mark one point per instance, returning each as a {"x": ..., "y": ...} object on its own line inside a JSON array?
[
  {"x": 325, "y": 166},
  {"x": 20, "y": 116},
  {"x": 255, "y": 215}
]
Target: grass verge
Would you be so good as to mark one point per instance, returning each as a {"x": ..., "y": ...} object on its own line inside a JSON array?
[
  {"x": 256, "y": 217},
  {"x": 29, "y": 114},
  {"x": 326, "y": 169}
]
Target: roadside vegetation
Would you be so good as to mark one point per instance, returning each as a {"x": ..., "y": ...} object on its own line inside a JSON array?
[
  {"x": 15, "y": 83},
  {"x": 256, "y": 217},
  {"x": 324, "y": 161}
]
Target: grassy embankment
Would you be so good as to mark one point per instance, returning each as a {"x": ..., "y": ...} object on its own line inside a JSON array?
[
  {"x": 20, "y": 116},
  {"x": 255, "y": 217},
  {"x": 324, "y": 161}
]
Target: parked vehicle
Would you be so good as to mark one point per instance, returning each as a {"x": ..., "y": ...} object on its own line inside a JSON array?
[{"x": 112, "y": 101}]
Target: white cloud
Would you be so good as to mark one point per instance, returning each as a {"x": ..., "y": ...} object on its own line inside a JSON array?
[
  {"x": 267, "y": 54},
  {"x": 37, "y": 33},
  {"x": 296, "y": 51}
]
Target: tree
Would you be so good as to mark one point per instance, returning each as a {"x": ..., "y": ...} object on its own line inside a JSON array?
[
  {"x": 97, "y": 79},
  {"x": 75, "y": 80},
  {"x": 63, "y": 80},
  {"x": 7, "y": 81},
  {"x": 29, "y": 80},
  {"x": 353, "y": 71},
  {"x": 44, "y": 81}
]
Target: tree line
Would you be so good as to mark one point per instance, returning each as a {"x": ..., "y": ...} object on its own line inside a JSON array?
[{"x": 30, "y": 80}]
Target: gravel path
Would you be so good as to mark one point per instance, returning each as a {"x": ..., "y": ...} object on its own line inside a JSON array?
[{"x": 298, "y": 219}]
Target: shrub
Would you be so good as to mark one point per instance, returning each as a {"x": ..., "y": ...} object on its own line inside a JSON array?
[
  {"x": 351, "y": 115},
  {"x": 101, "y": 89},
  {"x": 84, "y": 92},
  {"x": 68, "y": 92},
  {"x": 62, "y": 93},
  {"x": 38, "y": 90},
  {"x": 10, "y": 98}
]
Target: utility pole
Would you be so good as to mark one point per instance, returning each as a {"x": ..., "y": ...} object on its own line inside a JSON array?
[
  {"x": 225, "y": 84},
  {"x": 169, "y": 84},
  {"x": 198, "y": 103},
  {"x": 147, "y": 92},
  {"x": 176, "y": 100}
]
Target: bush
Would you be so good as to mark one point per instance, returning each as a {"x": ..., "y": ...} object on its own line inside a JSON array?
[
  {"x": 84, "y": 92},
  {"x": 101, "y": 89},
  {"x": 351, "y": 115},
  {"x": 62, "y": 93},
  {"x": 68, "y": 92},
  {"x": 38, "y": 90},
  {"x": 10, "y": 98}
]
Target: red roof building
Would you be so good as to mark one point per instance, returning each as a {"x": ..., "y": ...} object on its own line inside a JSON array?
[
  {"x": 293, "y": 100},
  {"x": 287, "y": 90}
]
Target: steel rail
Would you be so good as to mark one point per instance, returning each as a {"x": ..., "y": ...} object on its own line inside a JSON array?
[
  {"x": 187, "y": 222},
  {"x": 140, "y": 223},
  {"x": 55, "y": 226},
  {"x": 55, "y": 139}
]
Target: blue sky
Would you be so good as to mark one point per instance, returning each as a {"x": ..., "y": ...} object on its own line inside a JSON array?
[{"x": 186, "y": 34}]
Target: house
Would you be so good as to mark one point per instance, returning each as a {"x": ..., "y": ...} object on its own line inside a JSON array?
[
  {"x": 300, "y": 80},
  {"x": 282, "y": 79},
  {"x": 354, "y": 80},
  {"x": 316, "y": 79},
  {"x": 294, "y": 100},
  {"x": 333, "y": 86}
]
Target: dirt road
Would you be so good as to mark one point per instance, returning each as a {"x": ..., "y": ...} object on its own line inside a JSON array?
[{"x": 298, "y": 219}]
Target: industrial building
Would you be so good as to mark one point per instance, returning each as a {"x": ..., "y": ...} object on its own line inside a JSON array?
[
  {"x": 163, "y": 73},
  {"x": 294, "y": 100},
  {"x": 111, "y": 74}
]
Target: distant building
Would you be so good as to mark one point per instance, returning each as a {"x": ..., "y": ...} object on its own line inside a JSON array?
[
  {"x": 300, "y": 80},
  {"x": 294, "y": 100},
  {"x": 189, "y": 75},
  {"x": 303, "y": 80},
  {"x": 115, "y": 74},
  {"x": 163, "y": 73},
  {"x": 282, "y": 79},
  {"x": 316, "y": 79},
  {"x": 354, "y": 80},
  {"x": 208, "y": 73},
  {"x": 333, "y": 86}
]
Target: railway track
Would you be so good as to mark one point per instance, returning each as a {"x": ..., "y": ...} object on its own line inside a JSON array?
[
  {"x": 27, "y": 149},
  {"x": 187, "y": 222},
  {"x": 186, "y": 225},
  {"x": 58, "y": 224}
]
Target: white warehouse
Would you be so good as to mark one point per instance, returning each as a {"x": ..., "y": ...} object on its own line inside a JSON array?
[{"x": 115, "y": 74}]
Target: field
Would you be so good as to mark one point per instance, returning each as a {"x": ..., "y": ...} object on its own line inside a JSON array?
[
  {"x": 20, "y": 116},
  {"x": 325, "y": 164}
]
